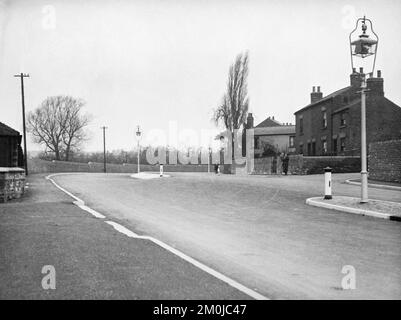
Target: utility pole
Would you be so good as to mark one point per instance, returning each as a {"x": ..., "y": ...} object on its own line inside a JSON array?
[
  {"x": 22, "y": 76},
  {"x": 104, "y": 148}
]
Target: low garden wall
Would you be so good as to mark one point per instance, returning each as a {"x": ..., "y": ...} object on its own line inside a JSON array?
[
  {"x": 12, "y": 183},
  {"x": 43, "y": 166},
  {"x": 302, "y": 165}
]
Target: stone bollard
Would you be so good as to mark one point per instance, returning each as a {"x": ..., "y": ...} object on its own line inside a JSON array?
[
  {"x": 327, "y": 183},
  {"x": 161, "y": 170}
]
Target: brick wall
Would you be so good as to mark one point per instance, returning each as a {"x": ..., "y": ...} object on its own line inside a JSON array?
[
  {"x": 385, "y": 161},
  {"x": 300, "y": 164},
  {"x": 267, "y": 165},
  {"x": 12, "y": 183}
]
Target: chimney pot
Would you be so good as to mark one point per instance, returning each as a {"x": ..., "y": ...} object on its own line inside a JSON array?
[
  {"x": 379, "y": 73},
  {"x": 353, "y": 70},
  {"x": 360, "y": 70},
  {"x": 313, "y": 89},
  {"x": 318, "y": 89}
]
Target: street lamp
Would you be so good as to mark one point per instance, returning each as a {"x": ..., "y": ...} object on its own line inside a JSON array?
[
  {"x": 138, "y": 136},
  {"x": 361, "y": 48},
  {"x": 209, "y": 152}
]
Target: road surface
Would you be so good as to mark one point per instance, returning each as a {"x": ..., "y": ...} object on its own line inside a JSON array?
[{"x": 257, "y": 229}]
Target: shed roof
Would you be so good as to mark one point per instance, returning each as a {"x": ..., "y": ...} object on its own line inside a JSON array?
[{"x": 7, "y": 131}]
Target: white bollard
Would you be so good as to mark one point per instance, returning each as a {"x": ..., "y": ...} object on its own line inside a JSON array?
[
  {"x": 161, "y": 170},
  {"x": 327, "y": 183},
  {"x": 218, "y": 169}
]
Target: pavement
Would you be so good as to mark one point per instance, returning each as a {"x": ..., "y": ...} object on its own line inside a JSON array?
[
  {"x": 374, "y": 208},
  {"x": 91, "y": 259},
  {"x": 257, "y": 230},
  {"x": 377, "y": 184}
]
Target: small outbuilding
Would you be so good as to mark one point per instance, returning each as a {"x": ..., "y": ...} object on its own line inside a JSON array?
[
  {"x": 12, "y": 174},
  {"x": 10, "y": 147}
]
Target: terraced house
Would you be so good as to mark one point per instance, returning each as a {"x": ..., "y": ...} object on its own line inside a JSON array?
[{"x": 331, "y": 125}]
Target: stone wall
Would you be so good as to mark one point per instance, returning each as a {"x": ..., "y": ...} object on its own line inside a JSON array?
[
  {"x": 385, "y": 161},
  {"x": 12, "y": 183}
]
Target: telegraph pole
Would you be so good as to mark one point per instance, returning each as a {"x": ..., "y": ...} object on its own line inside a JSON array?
[
  {"x": 22, "y": 76},
  {"x": 104, "y": 148}
]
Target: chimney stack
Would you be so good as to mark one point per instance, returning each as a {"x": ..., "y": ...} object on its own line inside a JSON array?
[
  {"x": 315, "y": 95},
  {"x": 376, "y": 85},
  {"x": 356, "y": 78},
  {"x": 249, "y": 121}
]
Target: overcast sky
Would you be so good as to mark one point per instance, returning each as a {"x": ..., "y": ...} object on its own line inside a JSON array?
[{"x": 155, "y": 62}]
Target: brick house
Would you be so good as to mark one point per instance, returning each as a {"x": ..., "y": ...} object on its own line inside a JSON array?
[
  {"x": 280, "y": 137},
  {"x": 331, "y": 125}
]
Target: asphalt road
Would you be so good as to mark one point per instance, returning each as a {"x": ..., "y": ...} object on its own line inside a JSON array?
[
  {"x": 257, "y": 230},
  {"x": 91, "y": 260}
]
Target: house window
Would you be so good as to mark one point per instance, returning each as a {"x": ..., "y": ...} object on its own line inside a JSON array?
[
  {"x": 301, "y": 125},
  {"x": 335, "y": 145},
  {"x": 292, "y": 142},
  {"x": 324, "y": 122},
  {"x": 342, "y": 144},
  {"x": 343, "y": 121},
  {"x": 324, "y": 146},
  {"x": 313, "y": 148},
  {"x": 301, "y": 148},
  {"x": 309, "y": 149}
]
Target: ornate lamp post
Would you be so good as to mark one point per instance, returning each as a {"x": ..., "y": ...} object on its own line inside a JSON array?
[
  {"x": 138, "y": 136},
  {"x": 361, "y": 48}
]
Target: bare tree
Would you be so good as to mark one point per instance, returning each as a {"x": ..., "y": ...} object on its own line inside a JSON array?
[
  {"x": 59, "y": 124},
  {"x": 233, "y": 109}
]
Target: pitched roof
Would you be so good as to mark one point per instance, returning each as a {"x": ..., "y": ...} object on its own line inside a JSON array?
[
  {"x": 268, "y": 122},
  {"x": 277, "y": 130},
  {"x": 7, "y": 131},
  {"x": 331, "y": 95}
]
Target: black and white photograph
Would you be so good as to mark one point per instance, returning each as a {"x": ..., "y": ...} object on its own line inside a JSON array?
[{"x": 200, "y": 155}]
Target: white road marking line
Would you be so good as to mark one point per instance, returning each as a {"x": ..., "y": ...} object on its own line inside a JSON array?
[
  {"x": 123, "y": 229},
  {"x": 191, "y": 260},
  {"x": 49, "y": 177},
  {"x": 90, "y": 210},
  {"x": 78, "y": 202},
  {"x": 129, "y": 233}
]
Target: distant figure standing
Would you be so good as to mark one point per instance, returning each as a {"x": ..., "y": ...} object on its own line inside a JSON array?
[
  {"x": 216, "y": 168},
  {"x": 285, "y": 161}
]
